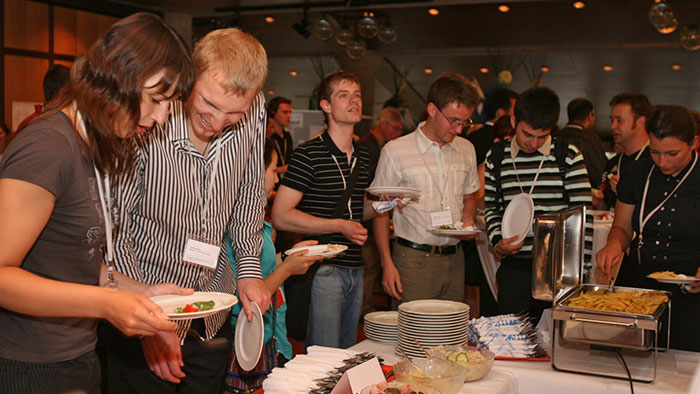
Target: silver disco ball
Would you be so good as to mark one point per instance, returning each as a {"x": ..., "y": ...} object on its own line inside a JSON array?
[
  {"x": 356, "y": 49},
  {"x": 662, "y": 17},
  {"x": 323, "y": 29},
  {"x": 367, "y": 27},
  {"x": 387, "y": 34},
  {"x": 690, "y": 38},
  {"x": 343, "y": 36}
]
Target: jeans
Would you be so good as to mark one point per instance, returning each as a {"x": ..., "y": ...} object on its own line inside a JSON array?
[{"x": 336, "y": 302}]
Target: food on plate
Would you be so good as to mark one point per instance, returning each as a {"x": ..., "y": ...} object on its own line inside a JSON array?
[
  {"x": 199, "y": 306},
  {"x": 669, "y": 275},
  {"x": 446, "y": 227},
  {"x": 334, "y": 247},
  {"x": 633, "y": 301},
  {"x": 394, "y": 388},
  {"x": 465, "y": 356},
  {"x": 604, "y": 216}
]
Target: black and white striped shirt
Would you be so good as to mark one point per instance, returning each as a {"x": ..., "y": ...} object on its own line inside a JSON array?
[
  {"x": 313, "y": 172},
  {"x": 549, "y": 194},
  {"x": 160, "y": 205}
]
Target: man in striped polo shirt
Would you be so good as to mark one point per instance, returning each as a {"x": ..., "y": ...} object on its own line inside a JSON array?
[
  {"x": 317, "y": 177},
  {"x": 531, "y": 158},
  {"x": 442, "y": 165},
  {"x": 195, "y": 177}
]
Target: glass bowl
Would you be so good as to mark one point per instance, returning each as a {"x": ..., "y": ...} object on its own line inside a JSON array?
[
  {"x": 478, "y": 362},
  {"x": 440, "y": 374}
]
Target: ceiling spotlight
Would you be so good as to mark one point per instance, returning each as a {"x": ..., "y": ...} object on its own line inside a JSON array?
[
  {"x": 270, "y": 92},
  {"x": 503, "y": 8},
  {"x": 368, "y": 14},
  {"x": 293, "y": 73},
  {"x": 269, "y": 19},
  {"x": 676, "y": 66},
  {"x": 608, "y": 67},
  {"x": 302, "y": 27},
  {"x": 484, "y": 70},
  {"x": 433, "y": 11},
  {"x": 428, "y": 70},
  {"x": 578, "y": 4},
  {"x": 544, "y": 69}
]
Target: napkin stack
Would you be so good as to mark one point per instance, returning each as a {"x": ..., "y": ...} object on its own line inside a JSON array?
[
  {"x": 507, "y": 336},
  {"x": 384, "y": 206}
]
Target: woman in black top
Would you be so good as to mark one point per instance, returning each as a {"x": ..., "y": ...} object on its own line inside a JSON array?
[{"x": 661, "y": 201}]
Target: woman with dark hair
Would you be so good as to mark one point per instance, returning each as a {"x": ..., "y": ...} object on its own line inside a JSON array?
[
  {"x": 55, "y": 210},
  {"x": 660, "y": 203}
]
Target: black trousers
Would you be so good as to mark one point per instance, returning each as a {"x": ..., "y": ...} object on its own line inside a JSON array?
[
  {"x": 79, "y": 375},
  {"x": 475, "y": 276},
  {"x": 205, "y": 365},
  {"x": 515, "y": 288}
]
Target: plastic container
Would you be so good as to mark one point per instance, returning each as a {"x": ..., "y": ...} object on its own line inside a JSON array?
[
  {"x": 476, "y": 367},
  {"x": 442, "y": 375}
]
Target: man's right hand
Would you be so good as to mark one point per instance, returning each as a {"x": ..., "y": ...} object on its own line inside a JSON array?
[
  {"x": 391, "y": 280},
  {"x": 506, "y": 246},
  {"x": 163, "y": 355},
  {"x": 353, "y": 231}
]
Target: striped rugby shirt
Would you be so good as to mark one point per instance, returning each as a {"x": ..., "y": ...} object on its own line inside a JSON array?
[
  {"x": 548, "y": 194},
  {"x": 160, "y": 205},
  {"x": 313, "y": 172}
]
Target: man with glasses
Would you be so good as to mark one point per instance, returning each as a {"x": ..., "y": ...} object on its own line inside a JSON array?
[{"x": 442, "y": 165}]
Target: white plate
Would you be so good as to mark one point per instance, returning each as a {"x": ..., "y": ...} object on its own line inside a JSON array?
[
  {"x": 453, "y": 232},
  {"x": 675, "y": 281},
  {"x": 517, "y": 219},
  {"x": 597, "y": 213},
  {"x": 249, "y": 338},
  {"x": 434, "y": 307},
  {"x": 169, "y": 302},
  {"x": 386, "y": 318},
  {"x": 319, "y": 250},
  {"x": 394, "y": 191}
]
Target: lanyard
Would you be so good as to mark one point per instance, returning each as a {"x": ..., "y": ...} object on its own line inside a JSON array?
[
  {"x": 644, "y": 219},
  {"x": 205, "y": 202},
  {"x": 441, "y": 181},
  {"x": 345, "y": 185},
  {"x": 639, "y": 154},
  {"x": 537, "y": 174},
  {"x": 280, "y": 152},
  {"x": 106, "y": 203}
]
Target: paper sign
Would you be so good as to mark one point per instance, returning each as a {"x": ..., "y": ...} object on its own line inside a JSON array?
[
  {"x": 441, "y": 218},
  {"x": 201, "y": 253},
  {"x": 359, "y": 377}
]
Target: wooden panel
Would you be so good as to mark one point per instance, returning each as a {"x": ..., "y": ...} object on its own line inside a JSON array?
[
  {"x": 23, "y": 81},
  {"x": 26, "y": 25},
  {"x": 64, "y": 32},
  {"x": 89, "y": 26}
]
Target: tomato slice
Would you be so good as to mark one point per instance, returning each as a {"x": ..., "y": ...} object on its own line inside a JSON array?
[{"x": 189, "y": 308}]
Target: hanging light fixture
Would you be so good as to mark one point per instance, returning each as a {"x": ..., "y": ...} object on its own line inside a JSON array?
[
  {"x": 367, "y": 27},
  {"x": 690, "y": 38},
  {"x": 323, "y": 29},
  {"x": 355, "y": 49},
  {"x": 662, "y": 17},
  {"x": 387, "y": 33}
]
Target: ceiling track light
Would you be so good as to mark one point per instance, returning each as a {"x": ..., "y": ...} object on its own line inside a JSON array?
[{"x": 302, "y": 27}]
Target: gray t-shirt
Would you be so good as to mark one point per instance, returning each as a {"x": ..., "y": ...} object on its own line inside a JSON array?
[{"x": 47, "y": 153}]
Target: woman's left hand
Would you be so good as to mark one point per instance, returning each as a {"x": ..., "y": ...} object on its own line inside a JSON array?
[{"x": 165, "y": 288}]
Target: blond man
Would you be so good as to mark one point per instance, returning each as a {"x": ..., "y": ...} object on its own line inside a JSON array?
[{"x": 197, "y": 177}]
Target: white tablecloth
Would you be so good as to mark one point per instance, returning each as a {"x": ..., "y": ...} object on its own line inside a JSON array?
[{"x": 538, "y": 377}]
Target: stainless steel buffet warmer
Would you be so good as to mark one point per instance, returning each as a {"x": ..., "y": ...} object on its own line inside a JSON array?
[{"x": 589, "y": 341}]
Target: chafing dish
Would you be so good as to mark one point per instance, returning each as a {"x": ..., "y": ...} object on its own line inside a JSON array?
[{"x": 586, "y": 340}]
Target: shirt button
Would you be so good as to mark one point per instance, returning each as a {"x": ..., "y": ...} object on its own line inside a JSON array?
[
  {"x": 665, "y": 193},
  {"x": 665, "y": 257},
  {"x": 657, "y": 242},
  {"x": 653, "y": 257},
  {"x": 673, "y": 209},
  {"x": 658, "y": 223},
  {"x": 669, "y": 225},
  {"x": 663, "y": 208},
  {"x": 667, "y": 245},
  {"x": 669, "y": 237}
]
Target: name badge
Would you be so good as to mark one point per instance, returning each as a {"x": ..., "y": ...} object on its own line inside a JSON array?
[
  {"x": 201, "y": 253},
  {"x": 441, "y": 218}
]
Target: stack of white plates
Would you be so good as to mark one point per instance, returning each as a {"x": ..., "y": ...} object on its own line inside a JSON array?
[
  {"x": 432, "y": 323},
  {"x": 382, "y": 326}
]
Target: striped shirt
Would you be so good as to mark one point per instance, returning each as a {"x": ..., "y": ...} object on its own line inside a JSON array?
[
  {"x": 549, "y": 193},
  {"x": 415, "y": 161},
  {"x": 313, "y": 172},
  {"x": 161, "y": 205}
]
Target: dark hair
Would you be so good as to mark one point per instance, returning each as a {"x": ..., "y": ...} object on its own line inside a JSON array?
[
  {"x": 578, "y": 109},
  {"x": 453, "y": 87},
  {"x": 325, "y": 88},
  {"x": 275, "y": 103},
  {"x": 499, "y": 99},
  {"x": 672, "y": 121},
  {"x": 538, "y": 107},
  {"x": 502, "y": 128},
  {"x": 640, "y": 104},
  {"x": 269, "y": 150},
  {"x": 54, "y": 79},
  {"x": 107, "y": 81}
]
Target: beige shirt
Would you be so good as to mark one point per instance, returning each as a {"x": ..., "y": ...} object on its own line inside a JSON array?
[{"x": 412, "y": 161}]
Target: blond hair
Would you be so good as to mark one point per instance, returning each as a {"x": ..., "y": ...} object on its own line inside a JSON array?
[
  {"x": 236, "y": 58},
  {"x": 389, "y": 114}
]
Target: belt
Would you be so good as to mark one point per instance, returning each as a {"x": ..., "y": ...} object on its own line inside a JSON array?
[{"x": 443, "y": 250}]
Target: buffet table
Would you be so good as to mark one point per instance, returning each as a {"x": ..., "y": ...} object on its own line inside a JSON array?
[{"x": 538, "y": 377}]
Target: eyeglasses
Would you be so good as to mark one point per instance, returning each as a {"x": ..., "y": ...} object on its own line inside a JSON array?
[{"x": 464, "y": 123}]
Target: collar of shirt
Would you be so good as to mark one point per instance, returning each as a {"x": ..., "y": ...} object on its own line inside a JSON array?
[
  {"x": 335, "y": 151},
  {"x": 574, "y": 126},
  {"x": 544, "y": 149},
  {"x": 488, "y": 123},
  {"x": 424, "y": 143}
]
